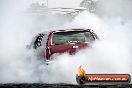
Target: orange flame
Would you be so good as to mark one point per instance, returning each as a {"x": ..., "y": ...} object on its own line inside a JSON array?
[{"x": 81, "y": 71}]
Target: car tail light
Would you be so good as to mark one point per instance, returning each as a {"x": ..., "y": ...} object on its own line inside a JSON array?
[{"x": 47, "y": 53}]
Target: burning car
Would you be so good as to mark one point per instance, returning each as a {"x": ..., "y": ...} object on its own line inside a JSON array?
[{"x": 61, "y": 41}]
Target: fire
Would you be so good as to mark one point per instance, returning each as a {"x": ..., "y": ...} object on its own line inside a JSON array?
[{"x": 81, "y": 71}]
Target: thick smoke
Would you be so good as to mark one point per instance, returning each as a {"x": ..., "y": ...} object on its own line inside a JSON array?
[
  {"x": 110, "y": 54},
  {"x": 114, "y": 8}
]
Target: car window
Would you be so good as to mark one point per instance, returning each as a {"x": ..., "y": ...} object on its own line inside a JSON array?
[{"x": 72, "y": 37}]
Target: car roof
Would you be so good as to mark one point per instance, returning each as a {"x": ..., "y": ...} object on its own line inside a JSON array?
[
  {"x": 64, "y": 30},
  {"x": 67, "y": 30}
]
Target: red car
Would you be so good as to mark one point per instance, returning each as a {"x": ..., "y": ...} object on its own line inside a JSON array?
[{"x": 61, "y": 41}]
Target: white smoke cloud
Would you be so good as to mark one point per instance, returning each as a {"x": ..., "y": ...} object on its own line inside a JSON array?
[
  {"x": 114, "y": 8},
  {"x": 110, "y": 54}
]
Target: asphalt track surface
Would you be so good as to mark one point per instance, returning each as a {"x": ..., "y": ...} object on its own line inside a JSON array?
[{"x": 43, "y": 85}]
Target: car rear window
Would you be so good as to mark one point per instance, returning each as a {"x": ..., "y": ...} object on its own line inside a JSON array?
[{"x": 72, "y": 37}]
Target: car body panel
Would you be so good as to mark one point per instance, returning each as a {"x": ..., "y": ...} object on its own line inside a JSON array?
[{"x": 70, "y": 48}]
